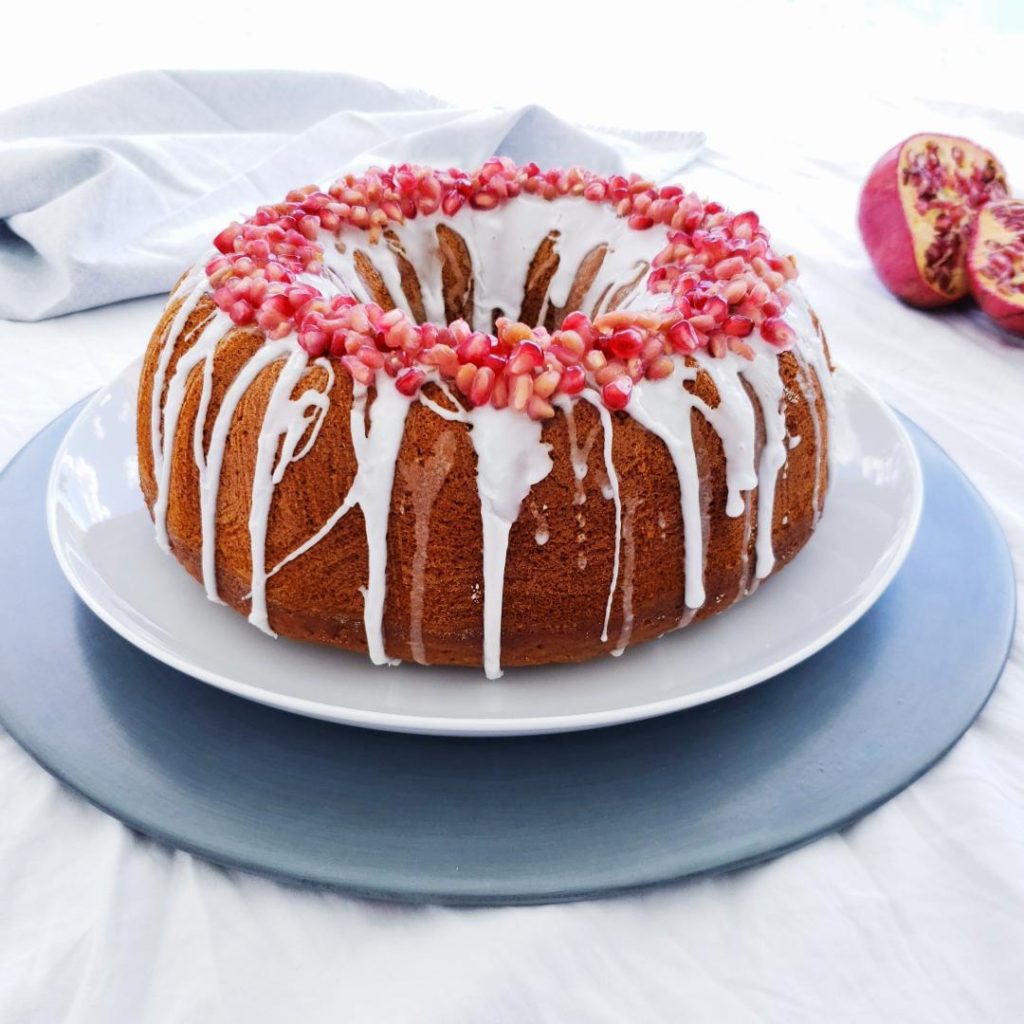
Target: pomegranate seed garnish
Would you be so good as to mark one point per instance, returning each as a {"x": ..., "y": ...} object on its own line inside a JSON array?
[
  {"x": 241, "y": 312},
  {"x": 520, "y": 392},
  {"x": 464, "y": 378},
  {"x": 359, "y": 371},
  {"x": 626, "y": 343},
  {"x": 539, "y": 408},
  {"x": 526, "y": 356},
  {"x": 777, "y": 332},
  {"x": 546, "y": 383},
  {"x": 615, "y": 394},
  {"x": 717, "y": 277},
  {"x": 572, "y": 380},
  {"x": 684, "y": 336},
  {"x": 738, "y": 326},
  {"x": 661, "y": 367},
  {"x": 580, "y": 324},
  {"x": 483, "y": 384}
]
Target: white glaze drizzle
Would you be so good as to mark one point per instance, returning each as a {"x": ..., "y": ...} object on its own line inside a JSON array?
[
  {"x": 629, "y": 570},
  {"x": 424, "y": 481},
  {"x": 503, "y": 239},
  {"x": 613, "y": 482},
  {"x": 211, "y": 466},
  {"x": 210, "y": 334},
  {"x": 511, "y": 458},
  {"x": 285, "y": 423}
]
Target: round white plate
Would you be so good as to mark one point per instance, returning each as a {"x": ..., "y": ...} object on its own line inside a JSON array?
[{"x": 103, "y": 539}]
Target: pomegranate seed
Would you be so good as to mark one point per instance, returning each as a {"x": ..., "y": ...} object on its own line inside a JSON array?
[
  {"x": 499, "y": 396},
  {"x": 464, "y": 378},
  {"x": 359, "y": 371},
  {"x": 777, "y": 332},
  {"x": 735, "y": 291},
  {"x": 626, "y": 343},
  {"x": 580, "y": 324},
  {"x": 315, "y": 342},
  {"x": 738, "y": 326},
  {"x": 572, "y": 380},
  {"x": 660, "y": 368},
  {"x": 475, "y": 349},
  {"x": 546, "y": 383},
  {"x": 684, "y": 337},
  {"x": 225, "y": 241},
  {"x": 572, "y": 341},
  {"x": 539, "y": 408},
  {"x": 409, "y": 381},
  {"x": 483, "y": 384},
  {"x": 615, "y": 394},
  {"x": 730, "y": 268},
  {"x": 371, "y": 356},
  {"x": 526, "y": 356},
  {"x": 521, "y": 392},
  {"x": 744, "y": 225},
  {"x": 241, "y": 312}
]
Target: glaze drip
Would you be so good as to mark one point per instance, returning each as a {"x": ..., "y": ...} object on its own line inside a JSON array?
[{"x": 511, "y": 456}]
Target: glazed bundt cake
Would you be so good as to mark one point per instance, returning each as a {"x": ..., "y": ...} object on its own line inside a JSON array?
[{"x": 503, "y": 418}]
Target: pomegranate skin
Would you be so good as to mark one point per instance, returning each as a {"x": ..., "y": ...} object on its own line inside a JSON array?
[
  {"x": 1006, "y": 310},
  {"x": 887, "y": 226},
  {"x": 887, "y": 236}
]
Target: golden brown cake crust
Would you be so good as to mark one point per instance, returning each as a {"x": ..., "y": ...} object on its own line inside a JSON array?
[{"x": 555, "y": 593}]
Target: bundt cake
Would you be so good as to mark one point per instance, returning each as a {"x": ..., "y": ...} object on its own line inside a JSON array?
[{"x": 504, "y": 418}]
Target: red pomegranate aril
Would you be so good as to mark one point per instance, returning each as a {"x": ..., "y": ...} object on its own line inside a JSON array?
[
  {"x": 241, "y": 312},
  {"x": 729, "y": 268},
  {"x": 738, "y": 326},
  {"x": 474, "y": 349},
  {"x": 615, "y": 394},
  {"x": 625, "y": 343},
  {"x": 526, "y": 356},
  {"x": 661, "y": 367},
  {"x": 572, "y": 381},
  {"x": 409, "y": 381},
  {"x": 464, "y": 377},
  {"x": 359, "y": 371},
  {"x": 538, "y": 408},
  {"x": 580, "y": 323},
  {"x": 483, "y": 384},
  {"x": 777, "y": 332},
  {"x": 716, "y": 274},
  {"x": 225, "y": 241},
  {"x": 520, "y": 392},
  {"x": 546, "y": 383},
  {"x": 684, "y": 337}
]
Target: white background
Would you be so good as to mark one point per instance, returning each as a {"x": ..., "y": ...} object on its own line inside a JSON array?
[{"x": 916, "y": 913}]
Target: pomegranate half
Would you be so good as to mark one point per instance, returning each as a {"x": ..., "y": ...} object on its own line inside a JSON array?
[
  {"x": 995, "y": 263},
  {"x": 915, "y": 211}
]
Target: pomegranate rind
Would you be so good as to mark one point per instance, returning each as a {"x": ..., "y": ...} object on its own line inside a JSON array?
[
  {"x": 999, "y": 298},
  {"x": 897, "y": 236}
]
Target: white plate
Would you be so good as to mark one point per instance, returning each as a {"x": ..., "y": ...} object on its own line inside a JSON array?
[{"x": 103, "y": 539}]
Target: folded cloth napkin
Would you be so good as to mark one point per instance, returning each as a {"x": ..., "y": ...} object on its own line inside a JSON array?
[{"x": 108, "y": 192}]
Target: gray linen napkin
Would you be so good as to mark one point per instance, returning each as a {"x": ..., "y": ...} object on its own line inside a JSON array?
[{"x": 110, "y": 191}]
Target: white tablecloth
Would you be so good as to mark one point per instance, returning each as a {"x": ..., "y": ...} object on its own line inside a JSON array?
[{"x": 914, "y": 914}]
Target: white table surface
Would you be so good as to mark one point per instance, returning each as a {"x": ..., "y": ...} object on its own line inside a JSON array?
[{"x": 914, "y": 914}]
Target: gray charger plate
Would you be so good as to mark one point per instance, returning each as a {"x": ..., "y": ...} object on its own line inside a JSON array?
[{"x": 513, "y": 820}]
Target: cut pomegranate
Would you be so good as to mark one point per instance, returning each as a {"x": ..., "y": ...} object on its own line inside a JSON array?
[
  {"x": 915, "y": 210},
  {"x": 995, "y": 263}
]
